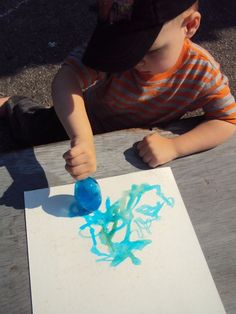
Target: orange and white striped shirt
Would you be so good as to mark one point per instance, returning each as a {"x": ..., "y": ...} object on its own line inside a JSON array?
[{"x": 131, "y": 99}]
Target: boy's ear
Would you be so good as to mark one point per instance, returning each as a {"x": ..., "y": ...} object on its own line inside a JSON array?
[{"x": 191, "y": 23}]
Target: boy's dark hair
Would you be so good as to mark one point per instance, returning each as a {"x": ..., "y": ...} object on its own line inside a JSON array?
[{"x": 121, "y": 42}]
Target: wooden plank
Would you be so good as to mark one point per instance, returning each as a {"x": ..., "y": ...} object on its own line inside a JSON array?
[{"x": 207, "y": 183}]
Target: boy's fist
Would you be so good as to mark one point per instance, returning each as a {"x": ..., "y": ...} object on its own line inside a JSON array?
[
  {"x": 156, "y": 150},
  {"x": 80, "y": 159}
]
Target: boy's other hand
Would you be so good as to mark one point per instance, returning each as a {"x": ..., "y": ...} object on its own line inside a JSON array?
[
  {"x": 80, "y": 159},
  {"x": 156, "y": 150}
]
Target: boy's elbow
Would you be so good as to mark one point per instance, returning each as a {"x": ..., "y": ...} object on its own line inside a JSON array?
[
  {"x": 65, "y": 77},
  {"x": 57, "y": 80}
]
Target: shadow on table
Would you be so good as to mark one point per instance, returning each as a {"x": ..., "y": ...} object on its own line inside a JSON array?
[{"x": 26, "y": 174}]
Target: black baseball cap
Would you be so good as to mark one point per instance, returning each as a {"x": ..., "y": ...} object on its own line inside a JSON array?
[{"x": 119, "y": 45}]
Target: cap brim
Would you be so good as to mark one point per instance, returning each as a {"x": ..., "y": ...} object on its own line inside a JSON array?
[{"x": 113, "y": 50}]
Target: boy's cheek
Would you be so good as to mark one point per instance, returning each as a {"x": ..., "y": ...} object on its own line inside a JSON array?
[{"x": 155, "y": 66}]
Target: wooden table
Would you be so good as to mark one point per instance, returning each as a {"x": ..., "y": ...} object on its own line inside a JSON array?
[{"x": 207, "y": 183}]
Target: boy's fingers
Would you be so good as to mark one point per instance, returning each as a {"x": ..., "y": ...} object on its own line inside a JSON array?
[
  {"x": 153, "y": 163},
  {"x": 78, "y": 174},
  {"x": 147, "y": 158},
  {"x": 72, "y": 153},
  {"x": 143, "y": 150},
  {"x": 67, "y": 155},
  {"x": 82, "y": 176},
  {"x": 140, "y": 145},
  {"x": 76, "y": 161},
  {"x": 80, "y": 171}
]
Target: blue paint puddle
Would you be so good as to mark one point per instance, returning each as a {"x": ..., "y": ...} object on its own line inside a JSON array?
[{"x": 117, "y": 231}]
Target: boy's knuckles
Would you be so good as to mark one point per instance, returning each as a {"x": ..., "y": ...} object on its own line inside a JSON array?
[
  {"x": 69, "y": 162},
  {"x": 69, "y": 155},
  {"x": 145, "y": 140},
  {"x": 148, "y": 143},
  {"x": 153, "y": 164},
  {"x": 76, "y": 161},
  {"x": 141, "y": 153},
  {"x": 65, "y": 155},
  {"x": 146, "y": 158},
  {"x": 68, "y": 169}
]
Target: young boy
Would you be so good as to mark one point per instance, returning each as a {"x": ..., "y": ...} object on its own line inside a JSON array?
[{"x": 140, "y": 69}]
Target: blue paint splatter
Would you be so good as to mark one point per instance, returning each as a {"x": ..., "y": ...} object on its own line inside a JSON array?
[{"x": 112, "y": 231}]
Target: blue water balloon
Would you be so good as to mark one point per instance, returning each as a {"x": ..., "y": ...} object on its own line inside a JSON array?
[{"x": 88, "y": 195}]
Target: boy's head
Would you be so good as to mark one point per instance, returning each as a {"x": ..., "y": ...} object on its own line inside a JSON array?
[
  {"x": 167, "y": 47},
  {"x": 134, "y": 27}
]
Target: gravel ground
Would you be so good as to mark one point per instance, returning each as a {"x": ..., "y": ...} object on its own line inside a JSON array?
[{"x": 36, "y": 35}]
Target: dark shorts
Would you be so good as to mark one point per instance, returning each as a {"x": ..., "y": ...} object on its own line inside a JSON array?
[{"x": 34, "y": 124}]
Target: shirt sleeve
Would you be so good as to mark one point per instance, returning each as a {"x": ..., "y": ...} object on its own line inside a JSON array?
[
  {"x": 87, "y": 76},
  {"x": 218, "y": 102}
]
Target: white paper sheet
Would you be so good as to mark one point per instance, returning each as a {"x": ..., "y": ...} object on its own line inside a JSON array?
[{"x": 168, "y": 273}]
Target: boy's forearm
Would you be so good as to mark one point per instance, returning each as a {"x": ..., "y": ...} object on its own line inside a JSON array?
[
  {"x": 69, "y": 104},
  {"x": 205, "y": 136}
]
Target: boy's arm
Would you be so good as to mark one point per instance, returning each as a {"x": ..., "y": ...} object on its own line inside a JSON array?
[
  {"x": 157, "y": 150},
  {"x": 69, "y": 106}
]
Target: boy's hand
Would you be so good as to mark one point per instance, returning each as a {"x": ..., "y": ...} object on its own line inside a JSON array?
[
  {"x": 80, "y": 159},
  {"x": 156, "y": 150}
]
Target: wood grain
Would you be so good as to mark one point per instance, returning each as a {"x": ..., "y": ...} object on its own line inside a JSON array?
[{"x": 207, "y": 183}]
